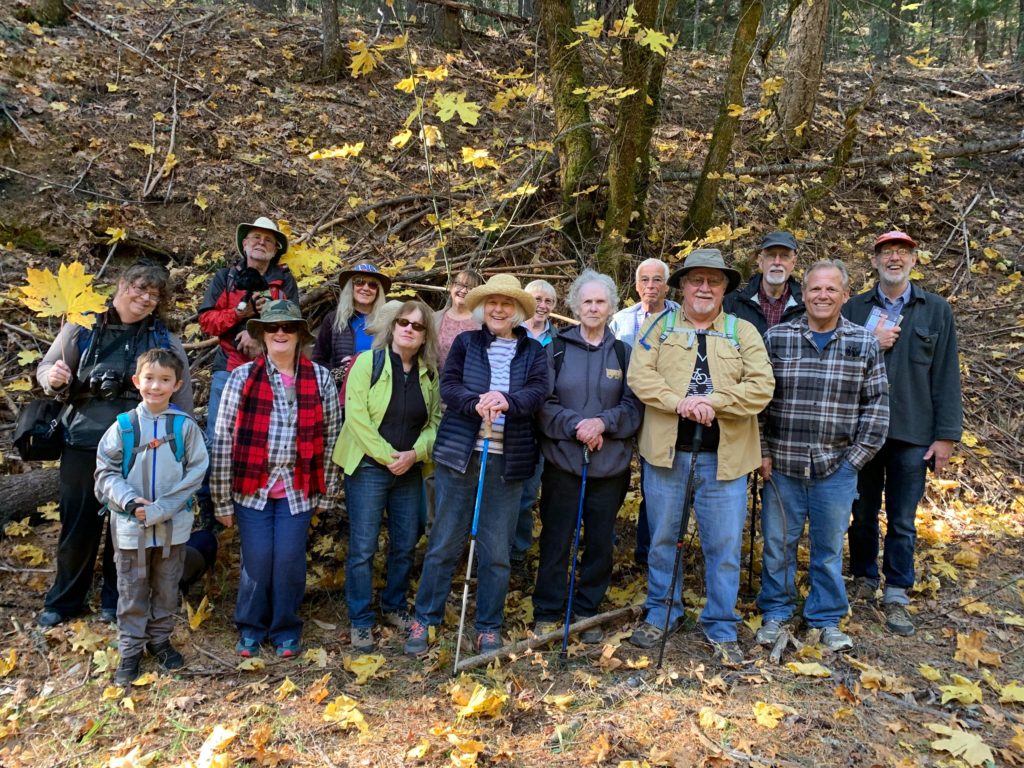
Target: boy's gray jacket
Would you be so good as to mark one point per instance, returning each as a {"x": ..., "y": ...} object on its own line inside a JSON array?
[
  {"x": 589, "y": 383},
  {"x": 156, "y": 475}
]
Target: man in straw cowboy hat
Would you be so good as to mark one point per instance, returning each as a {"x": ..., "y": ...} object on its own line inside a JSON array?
[
  {"x": 698, "y": 367},
  {"x": 235, "y": 295}
]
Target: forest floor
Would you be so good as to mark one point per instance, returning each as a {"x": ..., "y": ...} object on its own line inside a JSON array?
[{"x": 106, "y": 154}]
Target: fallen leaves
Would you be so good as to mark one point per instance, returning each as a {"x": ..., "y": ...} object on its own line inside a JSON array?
[
  {"x": 768, "y": 715},
  {"x": 199, "y": 615},
  {"x": 344, "y": 712},
  {"x": 810, "y": 669},
  {"x": 69, "y": 294},
  {"x": 970, "y": 650},
  {"x": 480, "y": 702},
  {"x": 364, "y": 667},
  {"x": 84, "y": 640},
  {"x": 967, "y": 746},
  {"x": 962, "y": 690}
]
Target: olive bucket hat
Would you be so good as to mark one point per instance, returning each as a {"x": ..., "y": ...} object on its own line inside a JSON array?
[
  {"x": 275, "y": 312},
  {"x": 708, "y": 258}
]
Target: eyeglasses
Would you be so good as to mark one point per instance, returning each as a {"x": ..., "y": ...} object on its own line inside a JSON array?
[
  {"x": 771, "y": 257},
  {"x": 697, "y": 282},
  {"x": 461, "y": 286},
  {"x": 405, "y": 322},
  {"x": 895, "y": 252},
  {"x": 288, "y": 328},
  {"x": 146, "y": 294}
]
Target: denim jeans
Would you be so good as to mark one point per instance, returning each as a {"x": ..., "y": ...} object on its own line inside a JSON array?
[
  {"x": 824, "y": 503},
  {"x": 898, "y": 470},
  {"x": 523, "y": 533},
  {"x": 369, "y": 491},
  {"x": 217, "y": 383},
  {"x": 453, "y": 518},
  {"x": 721, "y": 511},
  {"x": 559, "y": 506},
  {"x": 272, "y": 581}
]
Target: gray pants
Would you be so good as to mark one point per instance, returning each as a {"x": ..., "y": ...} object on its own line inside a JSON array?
[{"x": 147, "y": 596}]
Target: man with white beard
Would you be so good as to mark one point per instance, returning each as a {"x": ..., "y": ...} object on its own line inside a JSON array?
[{"x": 771, "y": 296}]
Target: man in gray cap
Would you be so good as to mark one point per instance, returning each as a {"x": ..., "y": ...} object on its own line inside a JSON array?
[
  {"x": 699, "y": 365},
  {"x": 772, "y": 295}
]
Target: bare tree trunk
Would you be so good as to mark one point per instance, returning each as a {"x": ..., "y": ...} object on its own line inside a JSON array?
[
  {"x": 702, "y": 208},
  {"x": 49, "y": 13},
  {"x": 980, "y": 38},
  {"x": 446, "y": 27},
  {"x": 894, "y": 39},
  {"x": 575, "y": 144},
  {"x": 334, "y": 58},
  {"x": 802, "y": 73}
]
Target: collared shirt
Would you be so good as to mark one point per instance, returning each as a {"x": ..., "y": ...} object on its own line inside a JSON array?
[
  {"x": 830, "y": 404},
  {"x": 545, "y": 336},
  {"x": 281, "y": 441},
  {"x": 894, "y": 308},
  {"x": 771, "y": 308},
  {"x": 626, "y": 323}
]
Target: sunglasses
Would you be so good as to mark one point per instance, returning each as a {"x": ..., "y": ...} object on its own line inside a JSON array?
[
  {"x": 286, "y": 327},
  {"x": 405, "y": 322},
  {"x": 364, "y": 282}
]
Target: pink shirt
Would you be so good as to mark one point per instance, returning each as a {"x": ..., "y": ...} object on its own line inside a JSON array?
[
  {"x": 278, "y": 489},
  {"x": 448, "y": 329}
]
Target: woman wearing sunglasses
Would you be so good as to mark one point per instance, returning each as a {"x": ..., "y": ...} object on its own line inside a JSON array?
[
  {"x": 277, "y": 416},
  {"x": 391, "y": 416},
  {"x": 344, "y": 332}
]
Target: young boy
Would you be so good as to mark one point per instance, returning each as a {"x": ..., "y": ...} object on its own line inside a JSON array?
[{"x": 148, "y": 496}]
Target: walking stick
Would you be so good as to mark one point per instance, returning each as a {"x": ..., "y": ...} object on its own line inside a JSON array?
[
  {"x": 472, "y": 541},
  {"x": 698, "y": 434},
  {"x": 753, "y": 531},
  {"x": 575, "y": 554}
]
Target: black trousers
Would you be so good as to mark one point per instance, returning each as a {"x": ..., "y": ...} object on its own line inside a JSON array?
[
  {"x": 559, "y": 504},
  {"x": 81, "y": 528}
]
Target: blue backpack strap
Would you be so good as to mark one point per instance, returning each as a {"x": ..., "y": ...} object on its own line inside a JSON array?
[
  {"x": 669, "y": 325},
  {"x": 128, "y": 423},
  {"x": 177, "y": 429}
]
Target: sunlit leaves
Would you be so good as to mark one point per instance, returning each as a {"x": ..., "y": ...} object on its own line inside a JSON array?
[
  {"x": 478, "y": 158},
  {"x": 18, "y": 528},
  {"x": 117, "y": 234},
  {"x": 399, "y": 140},
  {"x": 146, "y": 149},
  {"x": 451, "y": 104},
  {"x": 771, "y": 86},
  {"x": 481, "y": 701},
  {"x": 767, "y": 715},
  {"x": 364, "y": 667},
  {"x": 211, "y": 754},
  {"x": 8, "y": 663},
  {"x": 69, "y": 294},
  {"x": 84, "y": 640},
  {"x": 591, "y": 27},
  {"x": 962, "y": 690},
  {"x": 406, "y": 85},
  {"x": 28, "y": 356},
  {"x": 344, "y": 152},
  {"x": 29, "y": 554},
  {"x": 810, "y": 669},
  {"x": 658, "y": 42},
  {"x": 604, "y": 92},
  {"x": 199, "y": 615},
  {"x": 966, "y": 746},
  {"x": 971, "y": 651},
  {"x": 344, "y": 712},
  {"x": 364, "y": 59}
]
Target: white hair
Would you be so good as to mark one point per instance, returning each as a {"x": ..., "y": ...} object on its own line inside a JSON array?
[
  {"x": 518, "y": 318},
  {"x": 653, "y": 263},
  {"x": 587, "y": 277},
  {"x": 541, "y": 285},
  {"x": 836, "y": 264}
]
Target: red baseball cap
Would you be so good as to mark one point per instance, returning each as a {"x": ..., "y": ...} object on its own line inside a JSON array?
[{"x": 894, "y": 237}]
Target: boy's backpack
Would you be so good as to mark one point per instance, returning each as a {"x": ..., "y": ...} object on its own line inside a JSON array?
[
  {"x": 558, "y": 353},
  {"x": 131, "y": 436}
]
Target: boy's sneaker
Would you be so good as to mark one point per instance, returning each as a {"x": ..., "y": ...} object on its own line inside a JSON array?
[
  {"x": 646, "y": 636},
  {"x": 897, "y": 619},
  {"x": 128, "y": 670},
  {"x": 417, "y": 641},
  {"x": 835, "y": 640},
  {"x": 488, "y": 641},
  {"x": 728, "y": 653},
  {"x": 400, "y": 620},
  {"x": 768, "y": 632},
  {"x": 166, "y": 655},
  {"x": 247, "y": 648},
  {"x": 362, "y": 639}
]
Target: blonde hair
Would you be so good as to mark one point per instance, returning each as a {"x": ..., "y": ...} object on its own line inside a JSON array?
[
  {"x": 430, "y": 353},
  {"x": 346, "y": 305}
]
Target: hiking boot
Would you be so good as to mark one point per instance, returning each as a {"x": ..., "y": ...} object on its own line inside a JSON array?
[
  {"x": 835, "y": 640},
  {"x": 897, "y": 619},
  {"x": 128, "y": 670},
  {"x": 646, "y": 636},
  {"x": 546, "y": 627},
  {"x": 49, "y": 619},
  {"x": 728, "y": 652},
  {"x": 417, "y": 640},
  {"x": 489, "y": 640},
  {"x": 768, "y": 633},
  {"x": 400, "y": 620},
  {"x": 362, "y": 639},
  {"x": 863, "y": 588},
  {"x": 289, "y": 649},
  {"x": 246, "y": 647},
  {"x": 167, "y": 656},
  {"x": 592, "y": 636}
]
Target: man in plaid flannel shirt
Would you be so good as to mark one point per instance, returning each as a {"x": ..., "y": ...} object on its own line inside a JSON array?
[{"x": 828, "y": 417}]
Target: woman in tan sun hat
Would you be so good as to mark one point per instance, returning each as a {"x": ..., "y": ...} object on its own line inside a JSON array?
[{"x": 493, "y": 384}]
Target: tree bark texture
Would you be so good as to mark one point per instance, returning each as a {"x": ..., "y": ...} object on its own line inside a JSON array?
[
  {"x": 334, "y": 58},
  {"x": 446, "y": 27},
  {"x": 802, "y": 73},
  {"x": 49, "y": 13},
  {"x": 575, "y": 143},
  {"x": 702, "y": 207},
  {"x": 23, "y": 493},
  {"x": 627, "y": 147}
]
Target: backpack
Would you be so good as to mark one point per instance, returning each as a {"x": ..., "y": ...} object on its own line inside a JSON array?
[
  {"x": 558, "y": 353},
  {"x": 158, "y": 328},
  {"x": 375, "y": 373},
  {"x": 731, "y": 322},
  {"x": 131, "y": 435}
]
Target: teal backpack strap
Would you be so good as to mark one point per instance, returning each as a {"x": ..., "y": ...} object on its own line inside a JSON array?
[
  {"x": 176, "y": 431},
  {"x": 731, "y": 323},
  {"x": 128, "y": 423}
]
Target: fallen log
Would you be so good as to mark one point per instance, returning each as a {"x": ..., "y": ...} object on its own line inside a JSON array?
[
  {"x": 629, "y": 613},
  {"x": 23, "y": 493}
]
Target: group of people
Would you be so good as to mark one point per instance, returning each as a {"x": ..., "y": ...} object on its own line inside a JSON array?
[{"x": 449, "y": 423}]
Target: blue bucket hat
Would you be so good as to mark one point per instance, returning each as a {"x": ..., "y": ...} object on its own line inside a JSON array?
[{"x": 365, "y": 269}]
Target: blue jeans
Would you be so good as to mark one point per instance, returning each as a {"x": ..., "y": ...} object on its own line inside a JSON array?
[
  {"x": 368, "y": 491},
  {"x": 523, "y": 534},
  {"x": 217, "y": 383},
  {"x": 721, "y": 510},
  {"x": 898, "y": 469},
  {"x": 453, "y": 518},
  {"x": 272, "y": 582},
  {"x": 825, "y": 504}
]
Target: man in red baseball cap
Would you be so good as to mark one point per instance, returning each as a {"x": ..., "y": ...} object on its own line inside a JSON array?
[{"x": 916, "y": 332}]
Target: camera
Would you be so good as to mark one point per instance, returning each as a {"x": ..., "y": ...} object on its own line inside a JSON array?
[
  {"x": 105, "y": 383},
  {"x": 252, "y": 282}
]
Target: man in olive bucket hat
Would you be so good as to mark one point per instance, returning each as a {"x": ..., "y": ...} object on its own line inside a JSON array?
[{"x": 236, "y": 294}]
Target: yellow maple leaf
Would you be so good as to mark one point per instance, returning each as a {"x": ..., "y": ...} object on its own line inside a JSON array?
[
  {"x": 364, "y": 60},
  {"x": 478, "y": 158},
  {"x": 811, "y": 669},
  {"x": 111, "y": 692},
  {"x": 658, "y": 42},
  {"x": 105, "y": 660},
  {"x": 710, "y": 719},
  {"x": 971, "y": 651},
  {"x": 398, "y": 42},
  {"x": 961, "y": 744},
  {"x": 201, "y": 202},
  {"x": 929, "y": 673},
  {"x": 399, "y": 140},
  {"x": 215, "y": 743},
  {"x": 146, "y": 149},
  {"x": 28, "y": 356},
  {"x": 1011, "y": 693},
  {"x": 286, "y": 689},
  {"x": 346, "y": 151},
  {"x": 767, "y": 715},
  {"x": 591, "y": 27},
  {"x": 128, "y": 703},
  {"x": 344, "y": 712},
  {"x": 134, "y": 759},
  {"x": 364, "y": 667},
  {"x": 419, "y": 752},
  {"x": 147, "y": 679},
  {"x": 560, "y": 700},
  {"x": 407, "y": 85},
  {"x": 21, "y": 385},
  {"x": 451, "y": 104},
  {"x": 255, "y": 664},
  {"x": 481, "y": 702},
  {"x": 734, "y": 110},
  {"x": 84, "y": 640},
  {"x": 963, "y": 690},
  {"x": 113, "y": 88},
  {"x": 35, "y": 28},
  {"x": 20, "y": 528},
  {"x": 199, "y": 615},
  {"x": 29, "y": 554},
  {"x": 68, "y": 294},
  {"x": 8, "y": 664},
  {"x": 116, "y": 235}
]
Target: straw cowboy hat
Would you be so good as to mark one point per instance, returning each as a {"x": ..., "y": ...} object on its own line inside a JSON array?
[
  {"x": 708, "y": 258},
  {"x": 502, "y": 285},
  {"x": 262, "y": 223}
]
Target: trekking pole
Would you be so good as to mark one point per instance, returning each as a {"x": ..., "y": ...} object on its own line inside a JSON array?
[
  {"x": 753, "y": 532},
  {"x": 575, "y": 554},
  {"x": 698, "y": 434},
  {"x": 472, "y": 540}
]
